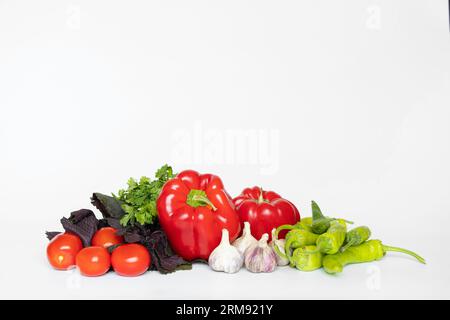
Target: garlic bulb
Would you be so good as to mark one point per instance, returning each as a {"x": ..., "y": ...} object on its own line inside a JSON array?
[
  {"x": 225, "y": 257},
  {"x": 260, "y": 257},
  {"x": 246, "y": 240},
  {"x": 278, "y": 246}
]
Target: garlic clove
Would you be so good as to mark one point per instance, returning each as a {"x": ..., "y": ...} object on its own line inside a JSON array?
[
  {"x": 260, "y": 257},
  {"x": 225, "y": 257},
  {"x": 245, "y": 240}
]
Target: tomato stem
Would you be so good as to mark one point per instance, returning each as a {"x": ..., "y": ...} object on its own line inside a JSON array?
[{"x": 261, "y": 196}]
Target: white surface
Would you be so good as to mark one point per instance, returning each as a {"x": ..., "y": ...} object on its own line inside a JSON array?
[
  {"x": 346, "y": 103},
  {"x": 29, "y": 276}
]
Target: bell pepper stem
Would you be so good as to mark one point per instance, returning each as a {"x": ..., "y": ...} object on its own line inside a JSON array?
[
  {"x": 198, "y": 198},
  {"x": 396, "y": 249},
  {"x": 205, "y": 200}
]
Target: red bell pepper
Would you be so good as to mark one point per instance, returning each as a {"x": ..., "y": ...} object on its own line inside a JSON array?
[
  {"x": 265, "y": 210},
  {"x": 193, "y": 209}
]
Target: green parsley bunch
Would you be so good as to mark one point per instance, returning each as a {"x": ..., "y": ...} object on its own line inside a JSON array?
[{"x": 139, "y": 200}]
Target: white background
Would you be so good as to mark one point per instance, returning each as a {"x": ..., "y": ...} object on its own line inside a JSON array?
[{"x": 343, "y": 102}]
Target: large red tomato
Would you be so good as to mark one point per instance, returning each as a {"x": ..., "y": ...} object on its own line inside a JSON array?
[
  {"x": 62, "y": 250},
  {"x": 93, "y": 261},
  {"x": 106, "y": 237},
  {"x": 265, "y": 210},
  {"x": 130, "y": 260}
]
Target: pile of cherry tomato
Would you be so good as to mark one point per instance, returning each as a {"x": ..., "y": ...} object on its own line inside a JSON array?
[{"x": 66, "y": 251}]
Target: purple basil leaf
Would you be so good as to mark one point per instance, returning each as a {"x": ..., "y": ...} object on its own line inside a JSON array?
[
  {"x": 77, "y": 216},
  {"x": 132, "y": 237},
  {"x": 107, "y": 205},
  {"x": 113, "y": 247},
  {"x": 102, "y": 223},
  {"x": 172, "y": 263},
  {"x": 163, "y": 258},
  {"x": 51, "y": 234},
  {"x": 115, "y": 223},
  {"x": 83, "y": 223}
]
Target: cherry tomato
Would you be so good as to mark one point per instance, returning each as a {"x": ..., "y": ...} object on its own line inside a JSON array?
[
  {"x": 93, "y": 261},
  {"x": 62, "y": 251},
  {"x": 106, "y": 237},
  {"x": 130, "y": 260}
]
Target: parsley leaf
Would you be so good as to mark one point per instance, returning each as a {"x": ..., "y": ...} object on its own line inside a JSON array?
[{"x": 139, "y": 200}]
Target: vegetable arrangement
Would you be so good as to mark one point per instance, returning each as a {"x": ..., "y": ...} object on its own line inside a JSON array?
[{"x": 167, "y": 223}]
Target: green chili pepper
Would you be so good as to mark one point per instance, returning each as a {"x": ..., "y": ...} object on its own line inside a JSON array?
[
  {"x": 356, "y": 236},
  {"x": 331, "y": 241},
  {"x": 320, "y": 223},
  {"x": 305, "y": 259},
  {"x": 288, "y": 227},
  {"x": 368, "y": 251},
  {"x": 304, "y": 223},
  {"x": 300, "y": 238},
  {"x": 297, "y": 238}
]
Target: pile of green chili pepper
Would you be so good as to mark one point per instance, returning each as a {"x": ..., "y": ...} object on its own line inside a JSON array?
[{"x": 321, "y": 241}]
